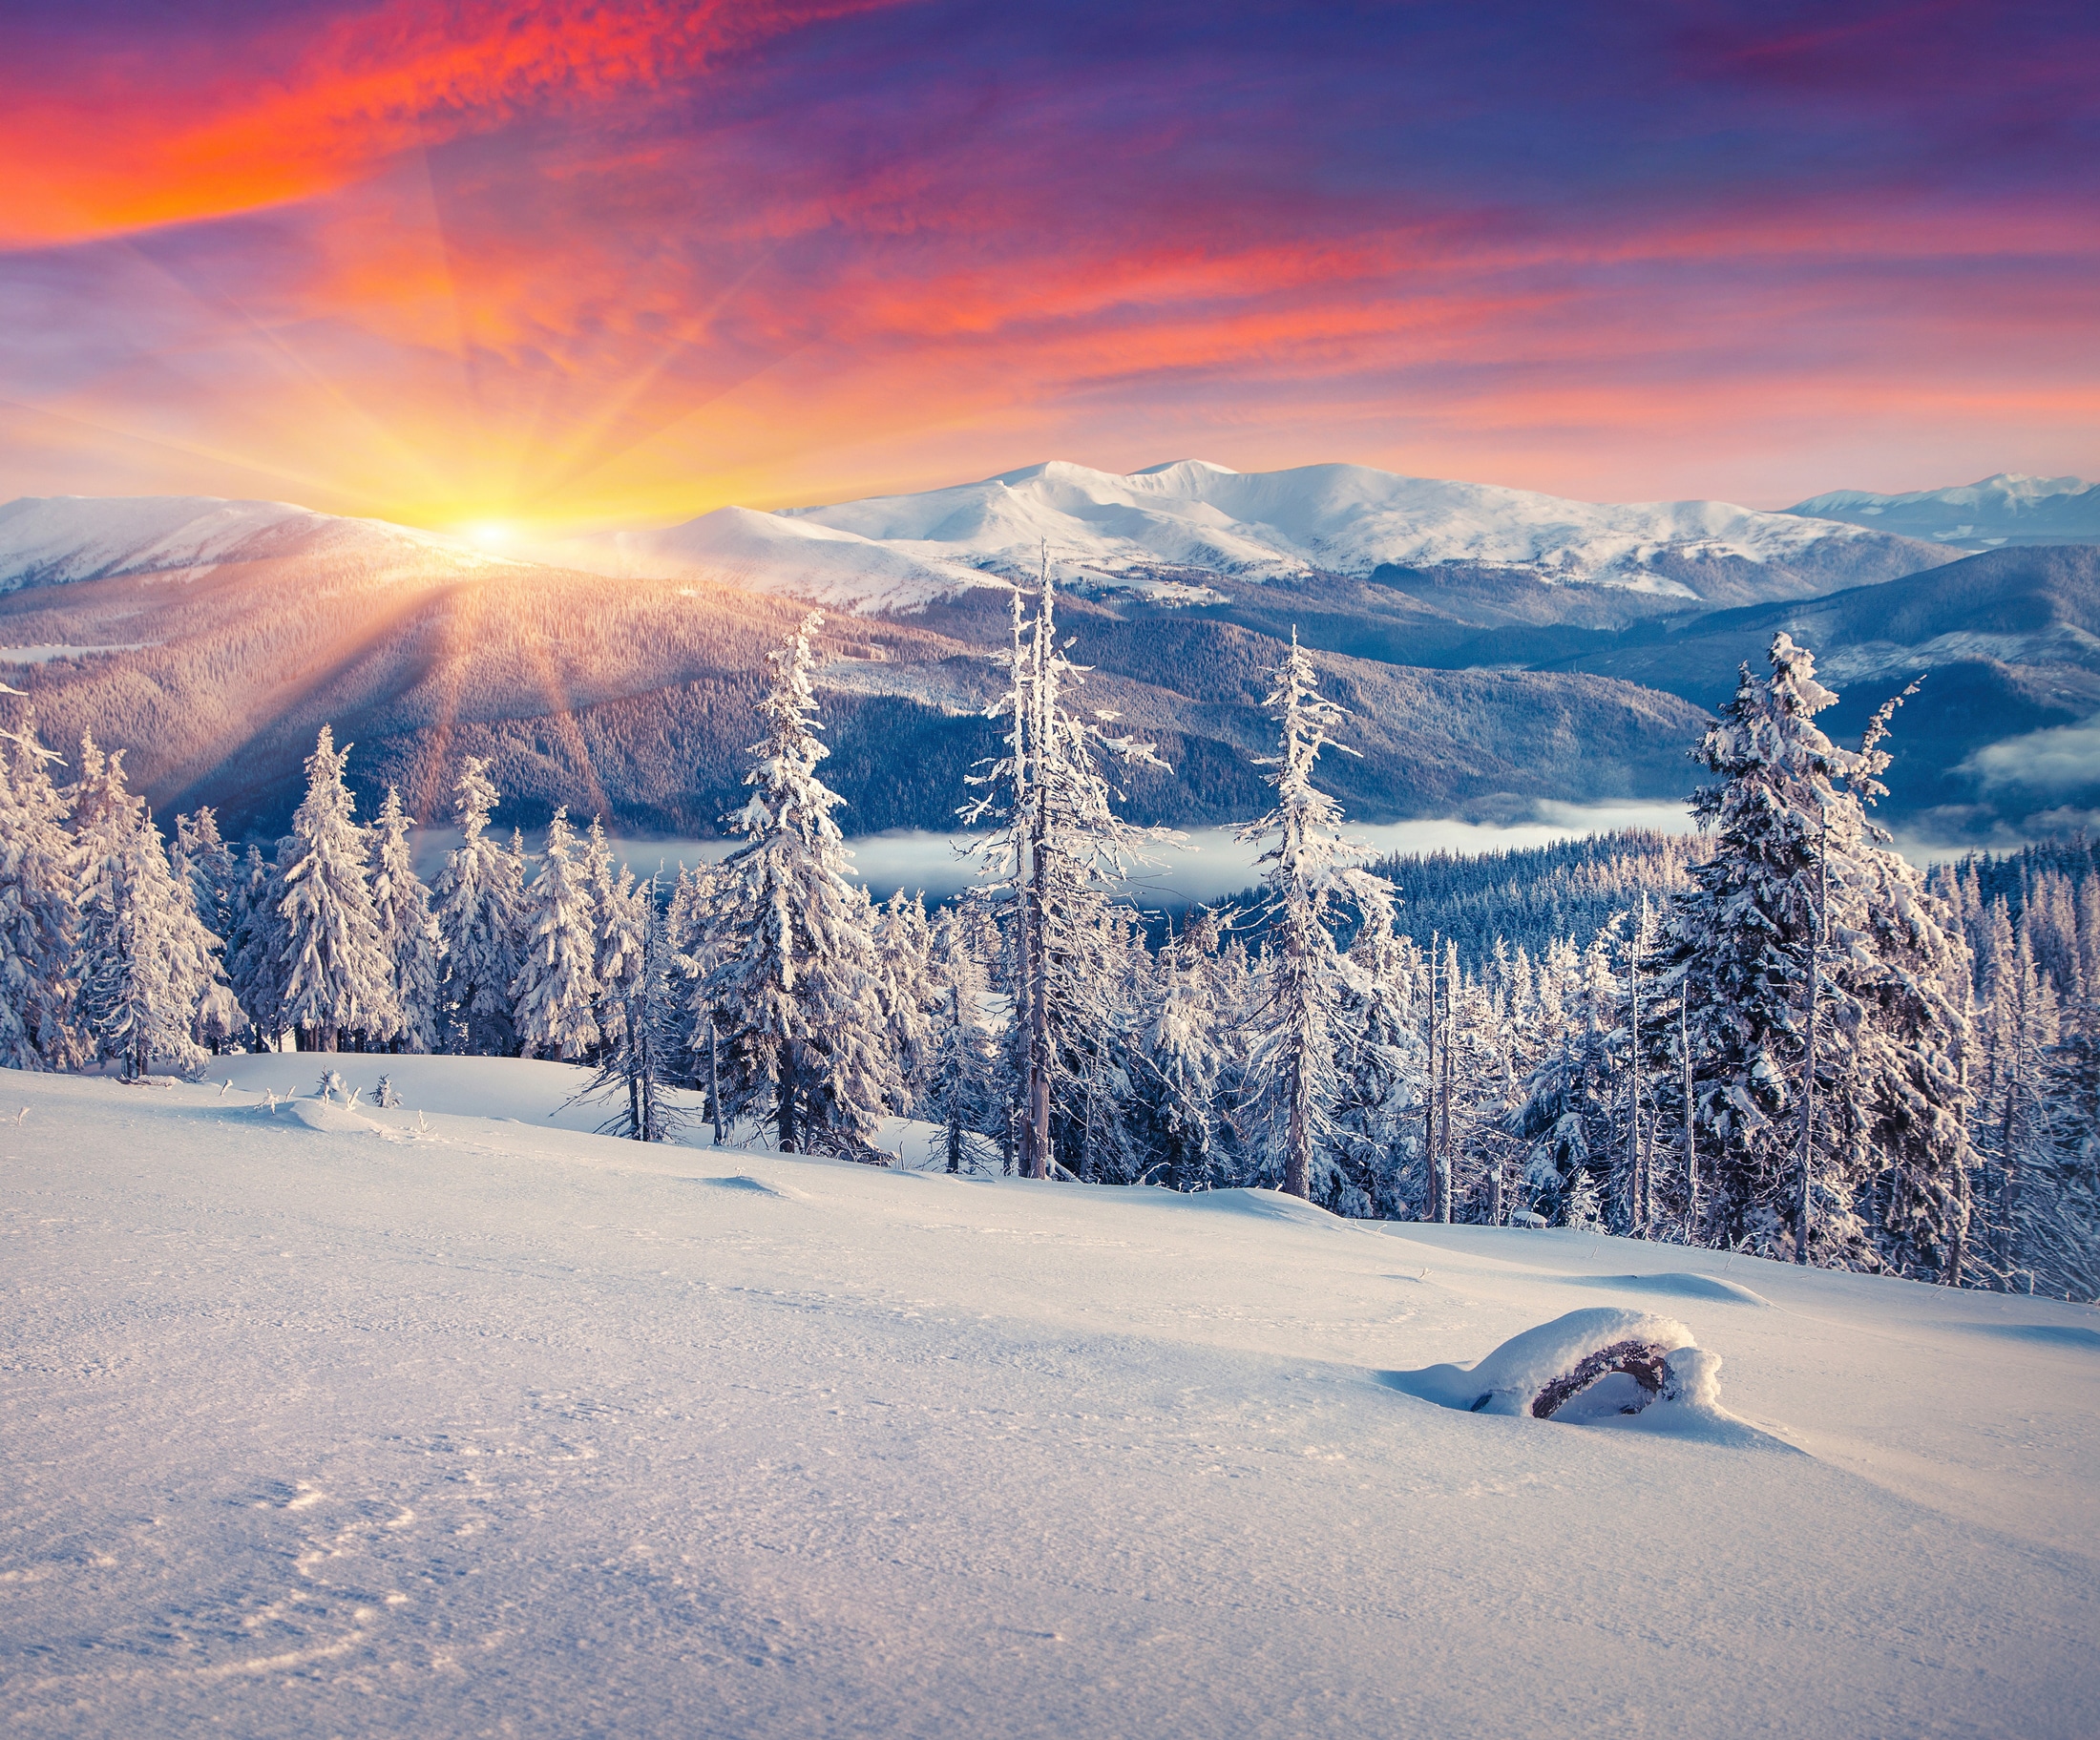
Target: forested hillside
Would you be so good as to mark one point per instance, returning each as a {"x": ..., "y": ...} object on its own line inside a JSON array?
[
  {"x": 1774, "y": 1038},
  {"x": 217, "y": 651}
]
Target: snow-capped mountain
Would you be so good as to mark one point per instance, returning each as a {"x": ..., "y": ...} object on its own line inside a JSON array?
[
  {"x": 2007, "y": 509},
  {"x": 1192, "y": 528},
  {"x": 56, "y": 539}
]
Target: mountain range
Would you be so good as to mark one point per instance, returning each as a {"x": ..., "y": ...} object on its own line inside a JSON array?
[
  {"x": 2007, "y": 509},
  {"x": 1498, "y": 649},
  {"x": 1192, "y": 533}
]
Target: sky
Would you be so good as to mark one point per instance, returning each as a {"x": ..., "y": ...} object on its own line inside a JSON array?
[{"x": 573, "y": 265}]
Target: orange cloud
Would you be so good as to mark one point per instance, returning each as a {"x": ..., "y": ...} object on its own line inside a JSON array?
[{"x": 104, "y": 144}]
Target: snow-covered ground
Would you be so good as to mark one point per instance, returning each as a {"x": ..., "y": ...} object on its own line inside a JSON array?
[{"x": 316, "y": 1424}]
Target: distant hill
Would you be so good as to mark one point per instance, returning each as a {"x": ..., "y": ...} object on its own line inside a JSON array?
[
  {"x": 213, "y": 639},
  {"x": 2007, "y": 509},
  {"x": 2011, "y": 640},
  {"x": 1196, "y": 533}
]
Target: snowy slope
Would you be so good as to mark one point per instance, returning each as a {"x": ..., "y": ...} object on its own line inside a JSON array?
[
  {"x": 51, "y": 540},
  {"x": 322, "y": 1424},
  {"x": 772, "y": 553},
  {"x": 2004, "y": 509},
  {"x": 1193, "y": 522}
]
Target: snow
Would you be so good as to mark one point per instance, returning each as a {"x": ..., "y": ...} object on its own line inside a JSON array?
[
  {"x": 759, "y": 552},
  {"x": 54, "y": 539},
  {"x": 1188, "y": 522},
  {"x": 1512, "y": 1379},
  {"x": 44, "y": 655},
  {"x": 2007, "y": 508},
  {"x": 453, "y": 1419}
]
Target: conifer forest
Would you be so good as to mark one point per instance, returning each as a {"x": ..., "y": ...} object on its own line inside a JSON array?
[{"x": 1776, "y": 1035}]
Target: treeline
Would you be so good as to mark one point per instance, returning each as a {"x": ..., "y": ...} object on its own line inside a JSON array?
[
  {"x": 1532, "y": 897},
  {"x": 1776, "y": 1038}
]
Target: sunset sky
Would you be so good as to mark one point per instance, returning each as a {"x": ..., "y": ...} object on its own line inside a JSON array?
[{"x": 570, "y": 266}]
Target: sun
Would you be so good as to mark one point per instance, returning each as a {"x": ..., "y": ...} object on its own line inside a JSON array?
[{"x": 491, "y": 533}]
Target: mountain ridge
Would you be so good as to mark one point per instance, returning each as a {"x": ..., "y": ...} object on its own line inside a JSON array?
[
  {"x": 213, "y": 640},
  {"x": 2005, "y": 508},
  {"x": 1187, "y": 530},
  {"x": 214, "y": 636}
]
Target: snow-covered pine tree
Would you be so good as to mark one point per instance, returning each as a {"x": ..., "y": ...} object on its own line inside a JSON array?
[
  {"x": 474, "y": 902},
  {"x": 641, "y": 1057},
  {"x": 1053, "y": 860},
  {"x": 617, "y": 960},
  {"x": 1802, "y": 897},
  {"x": 1571, "y": 1111},
  {"x": 408, "y": 929},
  {"x": 206, "y": 877},
  {"x": 38, "y": 917},
  {"x": 911, "y": 996},
  {"x": 957, "y": 1082},
  {"x": 2023, "y": 1025},
  {"x": 209, "y": 868},
  {"x": 1292, "y": 1074},
  {"x": 556, "y": 987},
  {"x": 146, "y": 959},
  {"x": 338, "y": 975},
  {"x": 602, "y": 886},
  {"x": 692, "y": 920},
  {"x": 796, "y": 987},
  {"x": 1093, "y": 1133},
  {"x": 2056, "y": 1203},
  {"x": 1179, "y": 1095},
  {"x": 255, "y": 950},
  {"x": 1375, "y": 1140},
  {"x": 1580, "y": 1209}
]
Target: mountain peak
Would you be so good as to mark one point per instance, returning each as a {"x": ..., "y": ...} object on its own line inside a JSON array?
[{"x": 2004, "y": 508}]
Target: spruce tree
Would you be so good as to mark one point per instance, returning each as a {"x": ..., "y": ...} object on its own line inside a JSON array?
[
  {"x": 146, "y": 961},
  {"x": 208, "y": 867},
  {"x": 39, "y": 918},
  {"x": 338, "y": 975},
  {"x": 1570, "y": 1115},
  {"x": 957, "y": 1085},
  {"x": 1376, "y": 1136},
  {"x": 796, "y": 990},
  {"x": 255, "y": 948},
  {"x": 1829, "y": 1011},
  {"x": 474, "y": 901},
  {"x": 408, "y": 929},
  {"x": 1179, "y": 1094},
  {"x": 1292, "y": 1069},
  {"x": 557, "y": 989},
  {"x": 639, "y": 1065},
  {"x": 1054, "y": 861}
]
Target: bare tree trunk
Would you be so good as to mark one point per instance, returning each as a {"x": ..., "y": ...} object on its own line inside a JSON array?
[
  {"x": 714, "y": 1080},
  {"x": 1298, "y": 1168},
  {"x": 1298, "y": 1159},
  {"x": 785, "y": 1093},
  {"x": 1036, "y": 1133}
]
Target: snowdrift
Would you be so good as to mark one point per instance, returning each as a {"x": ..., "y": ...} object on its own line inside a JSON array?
[
  {"x": 1606, "y": 1366},
  {"x": 316, "y": 1425}
]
